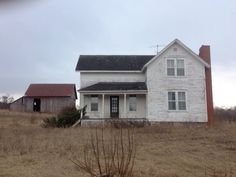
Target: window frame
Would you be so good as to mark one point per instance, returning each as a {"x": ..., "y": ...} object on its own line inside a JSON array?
[
  {"x": 167, "y": 67},
  {"x": 182, "y": 100},
  {"x": 177, "y": 100},
  {"x": 179, "y": 59},
  {"x": 171, "y": 100},
  {"x": 132, "y": 103},
  {"x": 94, "y": 102},
  {"x": 176, "y": 67}
]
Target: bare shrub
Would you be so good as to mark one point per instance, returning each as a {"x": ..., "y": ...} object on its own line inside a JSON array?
[
  {"x": 66, "y": 119},
  {"x": 111, "y": 156}
]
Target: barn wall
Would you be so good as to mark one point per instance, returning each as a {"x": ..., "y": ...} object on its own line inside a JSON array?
[
  {"x": 56, "y": 104},
  {"x": 28, "y": 104},
  {"x": 74, "y": 95},
  {"x": 18, "y": 105},
  {"x": 48, "y": 104},
  {"x": 193, "y": 83}
]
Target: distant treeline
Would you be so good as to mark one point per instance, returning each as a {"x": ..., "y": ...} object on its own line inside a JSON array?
[
  {"x": 228, "y": 114},
  {"x": 4, "y": 105},
  {"x": 5, "y": 101}
]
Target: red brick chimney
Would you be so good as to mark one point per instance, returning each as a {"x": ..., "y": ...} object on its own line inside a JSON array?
[{"x": 204, "y": 53}]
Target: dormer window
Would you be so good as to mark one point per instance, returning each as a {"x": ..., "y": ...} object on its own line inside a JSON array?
[{"x": 175, "y": 67}]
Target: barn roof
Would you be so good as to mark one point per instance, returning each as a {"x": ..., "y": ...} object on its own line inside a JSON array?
[
  {"x": 112, "y": 62},
  {"x": 51, "y": 90},
  {"x": 116, "y": 86}
]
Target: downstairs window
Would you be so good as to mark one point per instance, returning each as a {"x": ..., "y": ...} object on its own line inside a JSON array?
[
  {"x": 132, "y": 103},
  {"x": 94, "y": 103},
  {"x": 177, "y": 100}
]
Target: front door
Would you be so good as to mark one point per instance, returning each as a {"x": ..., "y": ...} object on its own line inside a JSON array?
[{"x": 114, "y": 106}]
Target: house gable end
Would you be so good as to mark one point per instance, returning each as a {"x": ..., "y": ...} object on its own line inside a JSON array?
[{"x": 178, "y": 42}]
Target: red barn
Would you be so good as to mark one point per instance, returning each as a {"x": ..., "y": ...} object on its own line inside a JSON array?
[{"x": 49, "y": 98}]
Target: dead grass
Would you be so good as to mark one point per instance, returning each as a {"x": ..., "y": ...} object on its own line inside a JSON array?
[
  {"x": 10, "y": 119},
  {"x": 27, "y": 150}
]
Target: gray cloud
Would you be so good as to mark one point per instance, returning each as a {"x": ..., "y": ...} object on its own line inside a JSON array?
[{"x": 41, "y": 41}]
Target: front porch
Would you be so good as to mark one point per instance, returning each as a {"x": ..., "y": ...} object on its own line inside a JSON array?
[{"x": 122, "y": 103}]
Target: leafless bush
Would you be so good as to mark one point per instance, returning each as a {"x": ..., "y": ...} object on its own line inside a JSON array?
[{"x": 111, "y": 156}]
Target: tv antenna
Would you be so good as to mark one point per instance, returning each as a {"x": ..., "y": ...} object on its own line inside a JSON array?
[{"x": 157, "y": 47}]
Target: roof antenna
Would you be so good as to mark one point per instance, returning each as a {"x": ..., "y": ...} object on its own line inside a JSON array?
[{"x": 157, "y": 47}]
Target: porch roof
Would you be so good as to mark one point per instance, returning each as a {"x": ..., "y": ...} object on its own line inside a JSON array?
[{"x": 116, "y": 86}]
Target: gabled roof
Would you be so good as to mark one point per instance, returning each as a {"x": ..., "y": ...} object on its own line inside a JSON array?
[
  {"x": 112, "y": 62},
  {"x": 116, "y": 86},
  {"x": 182, "y": 45},
  {"x": 91, "y": 63},
  {"x": 51, "y": 90}
]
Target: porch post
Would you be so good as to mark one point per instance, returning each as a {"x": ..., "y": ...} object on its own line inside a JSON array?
[
  {"x": 125, "y": 105},
  {"x": 81, "y": 101},
  {"x": 103, "y": 106}
]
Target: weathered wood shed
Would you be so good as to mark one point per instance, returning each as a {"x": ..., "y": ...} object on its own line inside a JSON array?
[{"x": 49, "y": 98}]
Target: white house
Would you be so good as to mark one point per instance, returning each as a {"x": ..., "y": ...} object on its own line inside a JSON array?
[{"x": 172, "y": 86}]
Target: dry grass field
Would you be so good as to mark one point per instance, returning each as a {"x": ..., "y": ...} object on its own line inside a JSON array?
[{"x": 27, "y": 150}]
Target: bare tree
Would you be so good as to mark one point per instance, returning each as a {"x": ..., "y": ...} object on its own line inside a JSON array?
[
  {"x": 110, "y": 156},
  {"x": 6, "y": 99}
]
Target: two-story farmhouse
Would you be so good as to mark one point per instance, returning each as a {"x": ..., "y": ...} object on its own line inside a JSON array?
[{"x": 172, "y": 86}]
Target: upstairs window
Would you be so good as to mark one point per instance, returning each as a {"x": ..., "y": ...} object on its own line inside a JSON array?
[
  {"x": 180, "y": 67},
  {"x": 170, "y": 67},
  {"x": 175, "y": 67},
  {"x": 94, "y": 103},
  {"x": 132, "y": 103},
  {"x": 176, "y": 101}
]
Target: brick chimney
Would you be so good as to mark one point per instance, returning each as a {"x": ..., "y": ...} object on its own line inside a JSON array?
[{"x": 204, "y": 53}]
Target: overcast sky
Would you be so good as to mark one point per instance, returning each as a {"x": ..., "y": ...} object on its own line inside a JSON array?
[{"x": 40, "y": 41}]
